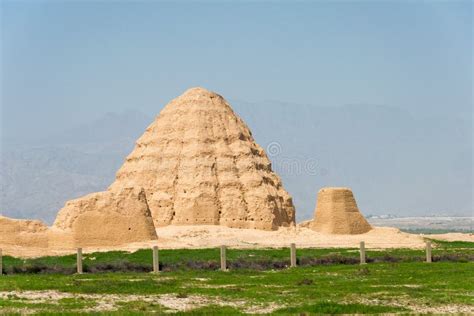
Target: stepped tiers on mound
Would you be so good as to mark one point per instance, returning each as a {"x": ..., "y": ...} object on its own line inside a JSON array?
[
  {"x": 199, "y": 164},
  {"x": 337, "y": 213}
]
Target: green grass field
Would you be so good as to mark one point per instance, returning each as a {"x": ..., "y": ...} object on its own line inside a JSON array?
[{"x": 259, "y": 281}]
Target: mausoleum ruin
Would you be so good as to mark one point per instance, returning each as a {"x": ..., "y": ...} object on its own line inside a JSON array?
[
  {"x": 337, "y": 213},
  {"x": 104, "y": 219},
  {"x": 199, "y": 164}
]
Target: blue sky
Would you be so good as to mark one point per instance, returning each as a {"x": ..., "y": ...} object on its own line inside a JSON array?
[{"x": 66, "y": 62}]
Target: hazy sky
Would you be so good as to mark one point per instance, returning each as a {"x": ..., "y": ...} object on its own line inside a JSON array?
[
  {"x": 67, "y": 62},
  {"x": 406, "y": 147}
]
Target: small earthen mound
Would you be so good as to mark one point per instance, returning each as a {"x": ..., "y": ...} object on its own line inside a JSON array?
[
  {"x": 23, "y": 233},
  {"x": 104, "y": 219},
  {"x": 337, "y": 213}
]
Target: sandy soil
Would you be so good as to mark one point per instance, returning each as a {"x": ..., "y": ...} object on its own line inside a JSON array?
[
  {"x": 453, "y": 237},
  {"x": 214, "y": 236},
  {"x": 208, "y": 236},
  {"x": 205, "y": 236},
  {"x": 110, "y": 302}
]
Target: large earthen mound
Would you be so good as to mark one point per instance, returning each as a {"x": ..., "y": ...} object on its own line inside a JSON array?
[
  {"x": 199, "y": 164},
  {"x": 104, "y": 219},
  {"x": 337, "y": 213},
  {"x": 23, "y": 233}
]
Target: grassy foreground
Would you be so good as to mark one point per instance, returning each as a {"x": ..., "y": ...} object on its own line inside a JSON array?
[{"x": 397, "y": 281}]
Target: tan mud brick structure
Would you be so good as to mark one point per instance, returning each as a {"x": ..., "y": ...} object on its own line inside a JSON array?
[
  {"x": 23, "y": 233},
  {"x": 337, "y": 213},
  {"x": 104, "y": 219},
  {"x": 199, "y": 164}
]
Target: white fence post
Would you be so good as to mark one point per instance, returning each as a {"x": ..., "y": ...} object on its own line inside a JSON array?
[
  {"x": 156, "y": 260},
  {"x": 223, "y": 259},
  {"x": 79, "y": 261},
  {"x": 293, "y": 255},
  {"x": 428, "y": 251},
  {"x": 362, "y": 253}
]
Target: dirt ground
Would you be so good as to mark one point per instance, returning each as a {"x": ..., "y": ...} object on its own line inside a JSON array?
[
  {"x": 206, "y": 236},
  {"x": 175, "y": 303}
]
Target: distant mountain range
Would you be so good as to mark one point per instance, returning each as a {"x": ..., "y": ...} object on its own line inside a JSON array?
[
  {"x": 392, "y": 159},
  {"x": 410, "y": 165}
]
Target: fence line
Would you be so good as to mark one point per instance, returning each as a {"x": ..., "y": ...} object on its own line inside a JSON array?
[{"x": 223, "y": 258}]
